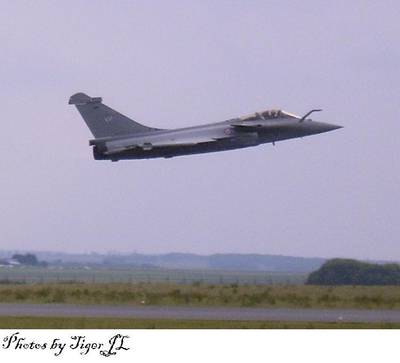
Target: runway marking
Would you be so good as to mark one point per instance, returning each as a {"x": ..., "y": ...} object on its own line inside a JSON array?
[{"x": 201, "y": 313}]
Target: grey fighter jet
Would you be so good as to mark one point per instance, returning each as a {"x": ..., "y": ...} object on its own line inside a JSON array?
[{"x": 118, "y": 137}]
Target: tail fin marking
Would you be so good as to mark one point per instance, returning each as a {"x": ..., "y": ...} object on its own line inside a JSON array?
[{"x": 102, "y": 120}]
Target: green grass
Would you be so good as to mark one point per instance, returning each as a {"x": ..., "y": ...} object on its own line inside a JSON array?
[
  {"x": 115, "y": 323},
  {"x": 197, "y": 294}
]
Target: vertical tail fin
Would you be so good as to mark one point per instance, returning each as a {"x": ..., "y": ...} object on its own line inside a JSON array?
[{"x": 102, "y": 120}]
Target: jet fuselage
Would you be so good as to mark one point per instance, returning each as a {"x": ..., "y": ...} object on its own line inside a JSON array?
[{"x": 118, "y": 137}]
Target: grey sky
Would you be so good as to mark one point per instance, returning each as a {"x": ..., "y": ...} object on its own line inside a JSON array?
[{"x": 179, "y": 63}]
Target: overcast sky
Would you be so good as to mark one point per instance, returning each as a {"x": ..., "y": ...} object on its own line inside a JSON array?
[{"x": 182, "y": 63}]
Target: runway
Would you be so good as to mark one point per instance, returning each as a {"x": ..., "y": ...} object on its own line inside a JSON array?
[{"x": 200, "y": 313}]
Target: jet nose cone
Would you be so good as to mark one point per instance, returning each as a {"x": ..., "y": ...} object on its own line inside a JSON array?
[
  {"x": 331, "y": 127},
  {"x": 319, "y": 127}
]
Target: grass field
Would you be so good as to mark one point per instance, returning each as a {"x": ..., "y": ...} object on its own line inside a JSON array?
[
  {"x": 113, "y": 323},
  {"x": 197, "y": 294}
]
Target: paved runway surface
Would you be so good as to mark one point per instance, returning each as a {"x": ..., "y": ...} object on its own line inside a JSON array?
[{"x": 197, "y": 313}]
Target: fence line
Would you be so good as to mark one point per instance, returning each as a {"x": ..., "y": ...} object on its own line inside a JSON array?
[{"x": 190, "y": 277}]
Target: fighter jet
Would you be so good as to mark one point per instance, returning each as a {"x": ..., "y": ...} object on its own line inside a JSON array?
[{"x": 117, "y": 137}]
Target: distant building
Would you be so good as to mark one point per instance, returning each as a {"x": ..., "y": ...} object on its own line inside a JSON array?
[{"x": 9, "y": 262}]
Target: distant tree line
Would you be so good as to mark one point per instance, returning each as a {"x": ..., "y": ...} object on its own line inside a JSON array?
[
  {"x": 27, "y": 259},
  {"x": 352, "y": 272}
]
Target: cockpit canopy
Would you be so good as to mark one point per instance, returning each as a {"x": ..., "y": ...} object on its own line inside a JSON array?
[{"x": 268, "y": 114}]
